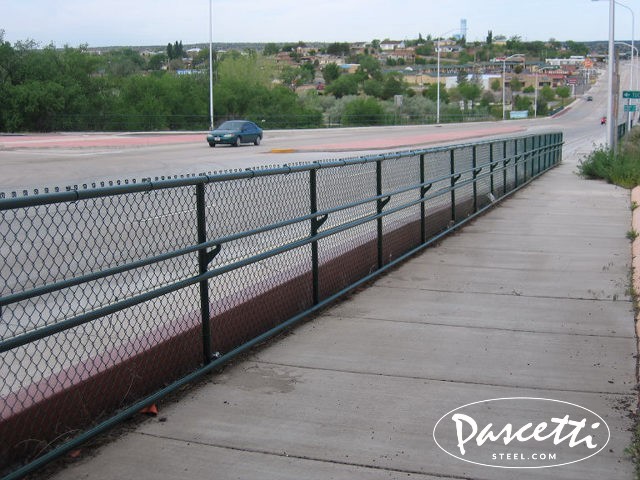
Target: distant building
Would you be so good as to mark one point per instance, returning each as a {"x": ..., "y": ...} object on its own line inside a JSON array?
[
  {"x": 499, "y": 40},
  {"x": 350, "y": 67},
  {"x": 390, "y": 46},
  {"x": 574, "y": 60}
]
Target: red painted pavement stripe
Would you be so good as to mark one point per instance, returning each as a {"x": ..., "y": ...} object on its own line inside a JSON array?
[
  {"x": 412, "y": 140},
  {"x": 94, "y": 140}
]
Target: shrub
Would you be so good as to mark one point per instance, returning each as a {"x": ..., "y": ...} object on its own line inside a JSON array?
[
  {"x": 363, "y": 111},
  {"x": 619, "y": 167}
]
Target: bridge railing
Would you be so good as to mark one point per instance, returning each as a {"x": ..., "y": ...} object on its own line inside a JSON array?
[{"x": 114, "y": 296}]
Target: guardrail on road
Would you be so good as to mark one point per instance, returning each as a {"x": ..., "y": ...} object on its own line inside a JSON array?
[{"x": 113, "y": 297}]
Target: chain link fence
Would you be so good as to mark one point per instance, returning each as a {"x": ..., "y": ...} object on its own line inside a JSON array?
[{"x": 114, "y": 296}]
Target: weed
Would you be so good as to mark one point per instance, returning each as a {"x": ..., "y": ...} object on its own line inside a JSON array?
[
  {"x": 632, "y": 235},
  {"x": 620, "y": 167}
]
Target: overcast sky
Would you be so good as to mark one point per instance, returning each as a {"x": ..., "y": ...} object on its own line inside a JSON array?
[{"x": 158, "y": 22}]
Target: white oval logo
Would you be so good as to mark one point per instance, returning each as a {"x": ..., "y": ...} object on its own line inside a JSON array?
[{"x": 521, "y": 432}]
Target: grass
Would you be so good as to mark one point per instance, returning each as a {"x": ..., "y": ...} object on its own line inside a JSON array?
[{"x": 621, "y": 167}]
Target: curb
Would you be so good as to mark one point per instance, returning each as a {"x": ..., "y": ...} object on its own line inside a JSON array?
[
  {"x": 635, "y": 253},
  {"x": 283, "y": 150}
]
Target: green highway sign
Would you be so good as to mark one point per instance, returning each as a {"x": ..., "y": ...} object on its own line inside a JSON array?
[
  {"x": 630, "y": 108},
  {"x": 631, "y": 94}
]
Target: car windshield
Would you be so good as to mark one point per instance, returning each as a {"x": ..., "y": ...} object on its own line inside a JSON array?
[{"x": 231, "y": 126}]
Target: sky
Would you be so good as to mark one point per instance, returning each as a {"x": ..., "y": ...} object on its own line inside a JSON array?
[{"x": 158, "y": 22}]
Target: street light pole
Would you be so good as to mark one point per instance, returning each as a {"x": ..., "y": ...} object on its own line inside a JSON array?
[
  {"x": 535, "y": 98},
  {"x": 438, "y": 86},
  {"x": 504, "y": 81},
  {"x": 210, "y": 66},
  {"x": 611, "y": 124},
  {"x": 633, "y": 36},
  {"x": 630, "y": 79}
]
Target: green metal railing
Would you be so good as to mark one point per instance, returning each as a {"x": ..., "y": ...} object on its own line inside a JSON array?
[{"x": 116, "y": 296}]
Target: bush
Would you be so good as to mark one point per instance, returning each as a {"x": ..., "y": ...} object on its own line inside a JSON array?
[
  {"x": 620, "y": 168},
  {"x": 363, "y": 111}
]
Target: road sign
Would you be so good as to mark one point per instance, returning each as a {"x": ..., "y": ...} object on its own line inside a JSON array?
[
  {"x": 631, "y": 94},
  {"x": 630, "y": 108}
]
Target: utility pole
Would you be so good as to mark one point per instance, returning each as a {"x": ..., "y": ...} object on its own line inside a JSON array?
[{"x": 611, "y": 111}]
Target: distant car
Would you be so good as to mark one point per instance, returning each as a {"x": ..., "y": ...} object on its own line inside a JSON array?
[
  {"x": 235, "y": 132},
  {"x": 589, "y": 98}
]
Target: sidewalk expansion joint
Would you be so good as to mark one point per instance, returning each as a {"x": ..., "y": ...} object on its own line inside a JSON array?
[
  {"x": 632, "y": 389},
  {"x": 303, "y": 457},
  {"x": 513, "y": 293},
  {"x": 478, "y": 327}
]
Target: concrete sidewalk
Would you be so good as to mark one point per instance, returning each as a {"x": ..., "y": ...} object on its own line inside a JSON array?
[{"x": 530, "y": 300}]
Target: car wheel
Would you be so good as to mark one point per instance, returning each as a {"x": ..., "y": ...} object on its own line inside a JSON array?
[
  {"x": 212, "y": 144},
  {"x": 237, "y": 142},
  {"x": 257, "y": 141}
]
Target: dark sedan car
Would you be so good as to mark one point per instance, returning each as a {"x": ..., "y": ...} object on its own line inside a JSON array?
[{"x": 235, "y": 132}]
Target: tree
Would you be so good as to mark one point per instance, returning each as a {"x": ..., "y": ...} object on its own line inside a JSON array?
[
  {"x": 495, "y": 85},
  {"x": 363, "y": 111},
  {"x": 431, "y": 92},
  {"x": 330, "y": 72},
  {"x": 157, "y": 61},
  {"x": 522, "y": 103},
  {"x": 489, "y": 37},
  {"x": 338, "y": 49},
  {"x": 462, "y": 76},
  {"x": 393, "y": 85},
  {"x": 369, "y": 67},
  {"x": 344, "y": 85},
  {"x": 175, "y": 51},
  {"x": 487, "y": 99},
  {"x": 515, "y": 84},
  {"x": 373, "y": 88},
  {"x": 470, "y": 91},
  {"x": 547, "y": 93},
  {"x": 514, "y": 44},
  {"x": 270, "y": 49},
  {"x": 563, "y": 93}
]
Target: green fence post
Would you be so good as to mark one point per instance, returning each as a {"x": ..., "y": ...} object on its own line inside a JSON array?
[
  {"x": 505, "y": 162},
  {"x": 515, "y": 161},
  {"x": 379, "y": 206},
  {"x": 546, "y": 151},
  {"x": 315, "y": 270},
  {"x": 423, "y": 220},
  {"x": 491, "y": 167},
  {"x": 535, "y": 160},
  {"x": 202, "y": 267},
  {"x": 474, "y": 164},
  {"x": 452, "y": 164}
]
